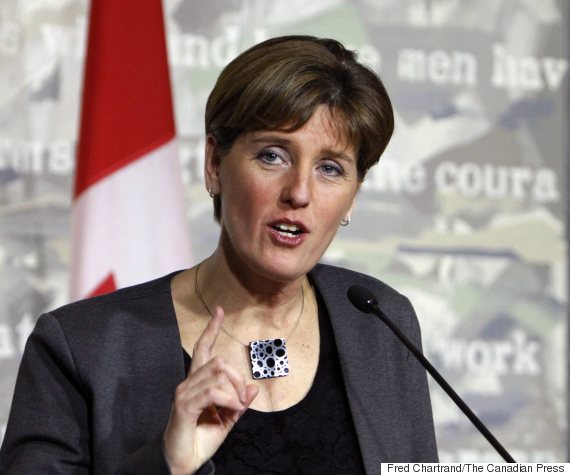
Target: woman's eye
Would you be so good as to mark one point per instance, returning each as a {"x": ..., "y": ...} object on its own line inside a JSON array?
[
  {"x": 269, "y": 156},
  {"x": 332, "y": 170}
]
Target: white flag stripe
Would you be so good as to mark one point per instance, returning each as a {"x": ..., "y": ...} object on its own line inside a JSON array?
[{"x": 131, "y": 224}]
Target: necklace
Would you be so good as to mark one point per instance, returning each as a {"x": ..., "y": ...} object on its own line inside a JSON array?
[{"x": 268, "y": 358}]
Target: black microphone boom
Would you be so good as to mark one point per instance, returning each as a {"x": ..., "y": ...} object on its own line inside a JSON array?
[{"x": 366, "y": 302}]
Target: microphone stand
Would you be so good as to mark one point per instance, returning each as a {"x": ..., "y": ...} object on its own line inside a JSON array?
[{"x": 372, "y": 306}]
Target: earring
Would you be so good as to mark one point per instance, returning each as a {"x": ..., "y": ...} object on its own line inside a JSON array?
[
  {"x": 345, "y": 221},
  {"x": 211, "y": 193}
]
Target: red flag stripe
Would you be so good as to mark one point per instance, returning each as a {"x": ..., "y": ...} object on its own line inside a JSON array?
[{"x": 127, "y": 105}]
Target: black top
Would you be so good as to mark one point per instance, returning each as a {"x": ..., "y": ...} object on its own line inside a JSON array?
[{"x": 315, "y": 436}]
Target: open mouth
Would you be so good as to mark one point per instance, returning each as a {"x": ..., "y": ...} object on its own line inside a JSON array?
[{"x": 288, "y": 230}]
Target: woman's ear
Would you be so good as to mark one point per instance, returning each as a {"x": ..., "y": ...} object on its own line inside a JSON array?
[
  {"x": 212, "y": 166},
  {"x": 349, "y": 214}
]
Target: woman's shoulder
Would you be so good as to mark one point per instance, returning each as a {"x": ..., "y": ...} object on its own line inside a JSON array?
[
  {"x": 341, "y": 279},
  {"x": 131, "y": 296},
  {"x": 113, "y": 327},
  {"x": 333, "y": 283},
  {"x": 138, "y": 309}
]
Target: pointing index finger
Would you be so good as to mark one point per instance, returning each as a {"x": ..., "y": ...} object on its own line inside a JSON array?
[{"x": 205, "y": 344}]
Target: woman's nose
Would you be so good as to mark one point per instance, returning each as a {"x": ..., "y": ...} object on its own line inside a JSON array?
[{"x": 296, "y": 190}]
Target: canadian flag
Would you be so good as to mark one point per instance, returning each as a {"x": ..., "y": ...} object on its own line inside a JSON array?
[{"x": 128, "y": 217}]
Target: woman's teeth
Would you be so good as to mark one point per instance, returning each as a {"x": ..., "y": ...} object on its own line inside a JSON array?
[{"x": 288, "y": 229}]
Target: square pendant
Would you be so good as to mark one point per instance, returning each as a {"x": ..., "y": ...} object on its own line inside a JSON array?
[{"x": 268, "y": 358}]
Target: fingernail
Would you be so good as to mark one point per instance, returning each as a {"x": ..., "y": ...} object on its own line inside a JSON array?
[{"x": 242, "y": 396}]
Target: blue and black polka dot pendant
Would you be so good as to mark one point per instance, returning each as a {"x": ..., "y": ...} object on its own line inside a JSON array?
[{"x": 268, "y": 358}]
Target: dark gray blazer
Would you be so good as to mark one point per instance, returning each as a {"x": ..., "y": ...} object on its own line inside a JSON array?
[{"x": 97, "y": 379}]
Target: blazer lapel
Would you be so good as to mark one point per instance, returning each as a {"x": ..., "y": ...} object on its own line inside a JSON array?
[{"x": 363, "y": 360}]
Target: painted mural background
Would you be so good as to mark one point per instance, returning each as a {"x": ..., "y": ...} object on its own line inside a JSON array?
[{"x": 466, "y": 213}]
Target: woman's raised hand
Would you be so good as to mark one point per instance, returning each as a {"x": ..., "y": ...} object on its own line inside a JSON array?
[{"x": 206, "y": 405}]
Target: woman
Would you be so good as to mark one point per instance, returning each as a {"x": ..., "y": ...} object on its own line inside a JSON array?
[{"x": 285, "y": 375}]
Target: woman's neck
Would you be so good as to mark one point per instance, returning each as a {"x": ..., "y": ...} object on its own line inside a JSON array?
[{"x": 248, "y": 299}]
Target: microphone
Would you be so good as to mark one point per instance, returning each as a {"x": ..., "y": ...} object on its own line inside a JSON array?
[{"x": 366, "y": 302}]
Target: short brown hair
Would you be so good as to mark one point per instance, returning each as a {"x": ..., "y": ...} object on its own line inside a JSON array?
[{"x": 278, "y": 84}]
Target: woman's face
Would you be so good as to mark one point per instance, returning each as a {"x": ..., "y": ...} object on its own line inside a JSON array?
[{"x": 283, "y": 195}]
